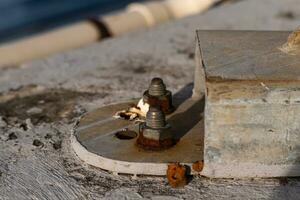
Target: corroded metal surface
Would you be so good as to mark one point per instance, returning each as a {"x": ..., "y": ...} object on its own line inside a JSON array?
[
  {"x": 155, "y": 133},
  {"x": 97, "y": 130}
]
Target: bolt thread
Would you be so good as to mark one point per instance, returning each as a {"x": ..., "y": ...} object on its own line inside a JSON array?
[
  {"x": 155, "y": 118},
  {"x": 157, "y": 87}
]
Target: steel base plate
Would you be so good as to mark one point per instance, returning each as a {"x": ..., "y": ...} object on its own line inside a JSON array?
[{"x": 96, "y": 142}]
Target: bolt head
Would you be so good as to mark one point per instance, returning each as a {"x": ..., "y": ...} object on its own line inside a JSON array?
[{"x": 157, "y": 87}]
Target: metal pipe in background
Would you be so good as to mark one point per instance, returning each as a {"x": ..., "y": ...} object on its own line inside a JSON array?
[
  {"x": 135, "y": 17},
  {"x": 58, "y": 40}
]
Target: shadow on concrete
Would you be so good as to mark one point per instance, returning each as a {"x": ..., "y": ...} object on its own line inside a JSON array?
[
  {"x": 190, "y": 112},
  {"x": 188, "y": 116},
  {"x": 183, "y": 94}
]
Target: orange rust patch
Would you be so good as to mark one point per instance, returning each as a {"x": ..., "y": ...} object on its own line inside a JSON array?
[
  {"x": 198, "y": 166},
  {"x": 154, "y": 145},
  {"x": 177, "y": 175},
  {"x": 164, "y": 102}
]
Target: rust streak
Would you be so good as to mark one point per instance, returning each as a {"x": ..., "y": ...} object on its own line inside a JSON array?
[{"x": 177, "y": 175}]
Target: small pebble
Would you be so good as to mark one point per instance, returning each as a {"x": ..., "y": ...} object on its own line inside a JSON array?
[
  {"x": 24, "y": 126},
  {"x": 48, "y": 136},
  {"x": 12, "y": 136},
  {"x": 29, "y": 124},
  {"x": 34, "y": 110},
  {"x": 77, "y": 176},
  {"x": 57, "y": 145},
  {"x": 37, "y": 143},
  {"x": 2, "y": 122}
]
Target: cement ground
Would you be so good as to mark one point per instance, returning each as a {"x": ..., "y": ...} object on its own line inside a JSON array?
[{"x": 41, "y": 100}]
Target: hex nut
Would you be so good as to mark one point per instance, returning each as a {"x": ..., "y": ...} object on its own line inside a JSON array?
[{"x": 155, "y": 133}]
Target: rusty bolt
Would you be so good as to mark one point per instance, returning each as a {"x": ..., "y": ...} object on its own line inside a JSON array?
[
  {"x": 155, "y": 134},
  {"x": 157, "y": 87},
  {"x": 158, "y": 95}
]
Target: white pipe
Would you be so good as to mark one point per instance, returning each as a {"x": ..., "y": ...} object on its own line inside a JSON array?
[
  {"x": 189, "y": 7},
  {"x": 135, "y": 17},
  {"x": 41, "y": 45}
]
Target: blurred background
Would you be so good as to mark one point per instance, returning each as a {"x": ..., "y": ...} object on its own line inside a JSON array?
[
  {"x": 33, "y": 29},
  {"x": 19, "y": 18}
]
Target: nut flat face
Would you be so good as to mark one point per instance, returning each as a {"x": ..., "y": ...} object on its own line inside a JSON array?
[
  {"x": 155, "y": 139},
  {"x": 96, "y": 143},
  {"x": 156, "y": 134},
  {"x": 165, "y": 101}
]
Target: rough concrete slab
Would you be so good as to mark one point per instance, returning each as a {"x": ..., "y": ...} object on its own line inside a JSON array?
[
  {"x": 248, "y": 55},
  {"x": 252, "y": 92},
  {"x": 119, "y": 69}
]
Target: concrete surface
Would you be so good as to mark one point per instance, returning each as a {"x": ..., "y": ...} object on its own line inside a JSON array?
[
  {"x": 36, "y": 161},
  {"x": 252, "y": 93}
]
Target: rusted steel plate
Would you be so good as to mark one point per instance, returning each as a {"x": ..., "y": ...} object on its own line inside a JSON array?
[{"x": 95, "y": 138}]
